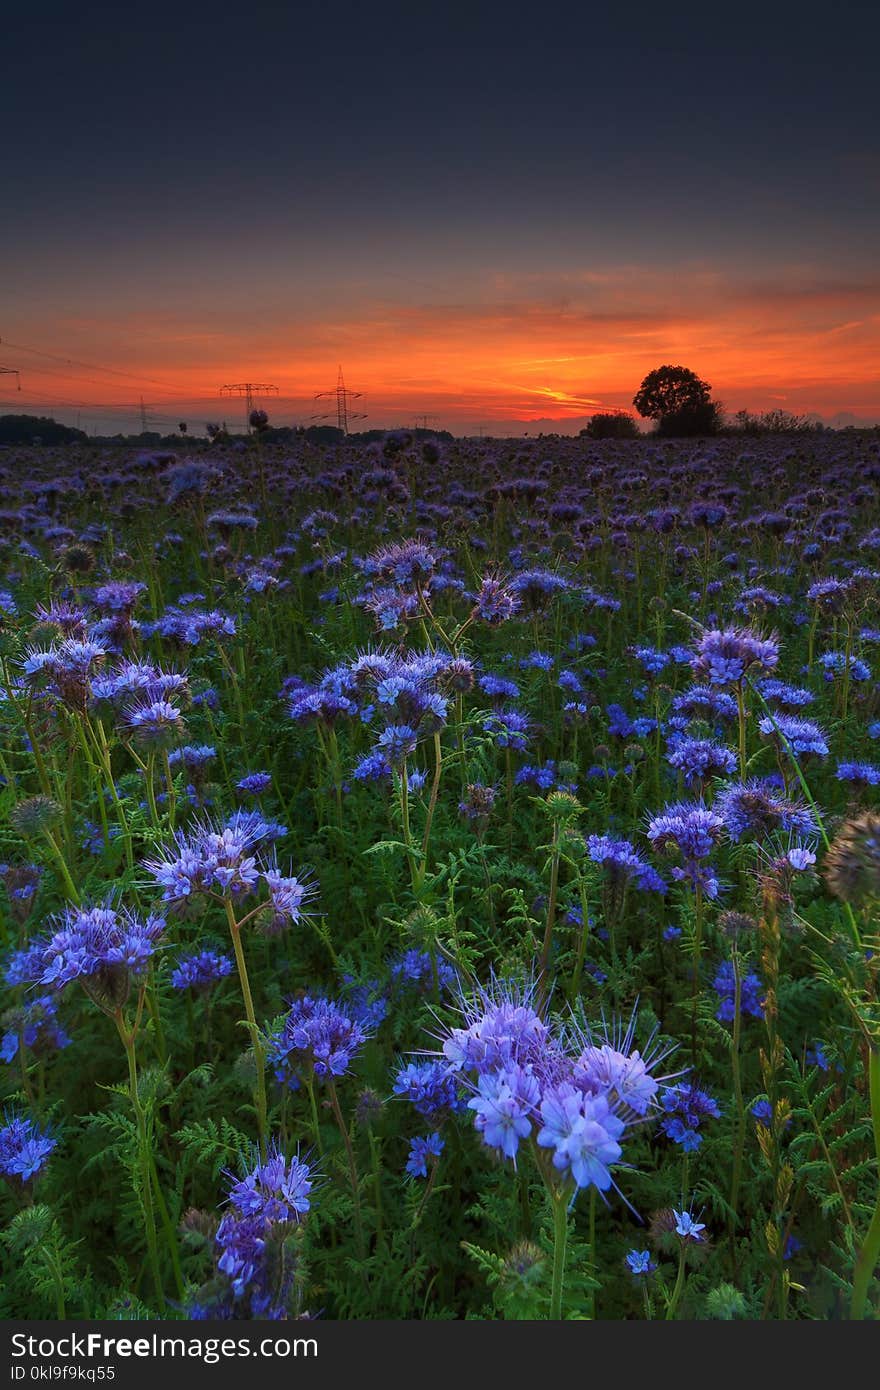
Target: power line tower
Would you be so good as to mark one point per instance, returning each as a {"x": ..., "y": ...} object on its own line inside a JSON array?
[
  {"x": 343, "y": 396},
  {"x": 12, "y": 371},
  {"x": 251, "y": 390},
  {"x": 426, "y": 422},
  {"x": 144, "y": 421}
]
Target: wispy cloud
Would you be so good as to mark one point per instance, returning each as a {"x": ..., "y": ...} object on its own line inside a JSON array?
[{"x": 517, "y": 345}]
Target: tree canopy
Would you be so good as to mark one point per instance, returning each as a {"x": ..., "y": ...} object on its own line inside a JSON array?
[
  {"x": 24, "y": 429},
  {"x": 668, "y": 390},
  {"x": 679, "y": 401}
]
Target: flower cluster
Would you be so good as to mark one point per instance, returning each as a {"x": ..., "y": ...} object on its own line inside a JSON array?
[
  {"x": 685, "y": 1107},
  {"x": 693, "y": 830},
  {"x": 751, "y": 993},
  {"x": 317, "y": 1038},
  {"x": 573, "y": 1094},
  {"x": 104, "y": 948},
  {"x": 725, "y": 656},
  {"x": 24, "y": 1148},
  {"x": 253, "y": 1250}
]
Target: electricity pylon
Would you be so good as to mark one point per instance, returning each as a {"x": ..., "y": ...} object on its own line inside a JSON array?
[
  {"x": 250, "y": 390},
  {"x": 145, "y": 424},
  {"x": 343, "y": 396},
  {"x": 12, "y": 371}
]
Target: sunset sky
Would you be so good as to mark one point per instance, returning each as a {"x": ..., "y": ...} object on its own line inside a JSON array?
[{"x": 496, "y": 220}]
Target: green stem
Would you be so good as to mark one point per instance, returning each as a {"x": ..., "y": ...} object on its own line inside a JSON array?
[
  {"x": 172, "y": 795},
  {"x": 593, "y": 1248},
  {"x": 103, "y": 749},
  {"x": 352, "y": 1164},
  {"x": 407, "y": 830},
  {"x": 144, "y": 1155},
  {"x": 432, "y": 806},
  {"x": 551, "y": 910},
  {"x": 167, "y": 1228},
  {"x": 740, "y": 1118},
  {"x": 256, "y": 1040},
  {"x": 70, "y": 890},
  {"x": 677, "y": 1291},
  {"x": 151, "y": 790},
  {"x": 698, "y": 944},
  {"x": 560, "y": 1238},
  {"x": 869, "y": 1254},
  {"x": 741, "y": 716}
]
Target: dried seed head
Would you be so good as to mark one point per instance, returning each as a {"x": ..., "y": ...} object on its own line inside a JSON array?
[
  {"x": 78, "y": 558},
  {"x": 852, "y": 864},
  {"x": 368, "y": 1107},
  {"x": 524, "y": 1264},
  {"x": 736, "y": 924},
  {"x": 35, "y": 816}
]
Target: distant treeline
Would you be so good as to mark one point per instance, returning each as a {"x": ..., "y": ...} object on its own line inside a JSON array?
[
  {"x": 39, "y": 429},
  {"x": 706, "y": 420},
  {"x": 30, "y": 429}
]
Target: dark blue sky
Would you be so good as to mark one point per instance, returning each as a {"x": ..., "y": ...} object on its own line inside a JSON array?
[{"x": 183, "y": 161}]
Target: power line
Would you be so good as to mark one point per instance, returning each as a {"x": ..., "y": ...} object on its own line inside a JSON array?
[
  {"x": 250, "y": 390},
  {"x": 343, "y": 396},
  {"x": 90, "y": 366}
]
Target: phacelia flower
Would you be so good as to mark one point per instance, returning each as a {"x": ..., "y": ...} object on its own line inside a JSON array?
[
  {"x": 24, "y": 1148},
  {"x": 751, "y": 993}
]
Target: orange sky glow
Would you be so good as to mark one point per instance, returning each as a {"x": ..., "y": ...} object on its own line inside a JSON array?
[{"x": 509, "y": 352}]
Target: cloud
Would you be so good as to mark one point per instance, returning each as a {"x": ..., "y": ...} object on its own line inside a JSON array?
[{"x": 504, "y": 345}]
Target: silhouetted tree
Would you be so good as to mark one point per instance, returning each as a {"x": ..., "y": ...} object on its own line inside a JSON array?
[
  {"x": 693, "y": 420},
  {"x": 679, "y": 401},
  {"x": 324, "y": 434},
  {"x": 23, "y": 429},
  {"x": 774, "y": 422},
  {"x": 610, "y": 424}
]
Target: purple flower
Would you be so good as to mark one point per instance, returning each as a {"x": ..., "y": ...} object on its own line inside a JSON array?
[
  {"x": 583, "y": 1132},
  {"x": 415, "y": 968},
  {"x": 686, "y": 1106},
  {"x": 503, "y": 1106},
  {"x": 24, "y": 1148},
  {"x": 725, "y": 656},
  {"x": 802, "y": 736},
  {"x": 264, "y": 1206},
  {"x": 316, "y": 1035},
  {"x": 758, "y": 807},
  {"x": 694, "y": 830},
  {"x": 624, "y": 863},
  {"x": 495, "y": 602},
  {"x": 509, "y": 729},
  {"x": 255, "y": 783},
  {"x": 860, "y": 774},
  {"x": 288, "y": 896},
  {"x": 99, "y": 942},
  {"x": 200, "y": 971},
  {"x": 502, "y": 1029},
  {"x": 396, "y": 743},
  {"x": 215, "y": 859},
  {"x": 751, "y": 993},
  {"x": 687, "y": 1227},
  {"x": 428, "y": 1085},
  {"x": 421, "y": 1152},
  {"x": 276, "y": 1190},
  {"x": 698, "y": 759}
]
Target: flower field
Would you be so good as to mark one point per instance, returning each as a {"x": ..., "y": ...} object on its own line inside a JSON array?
[{"x": 439, "y": 879}]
